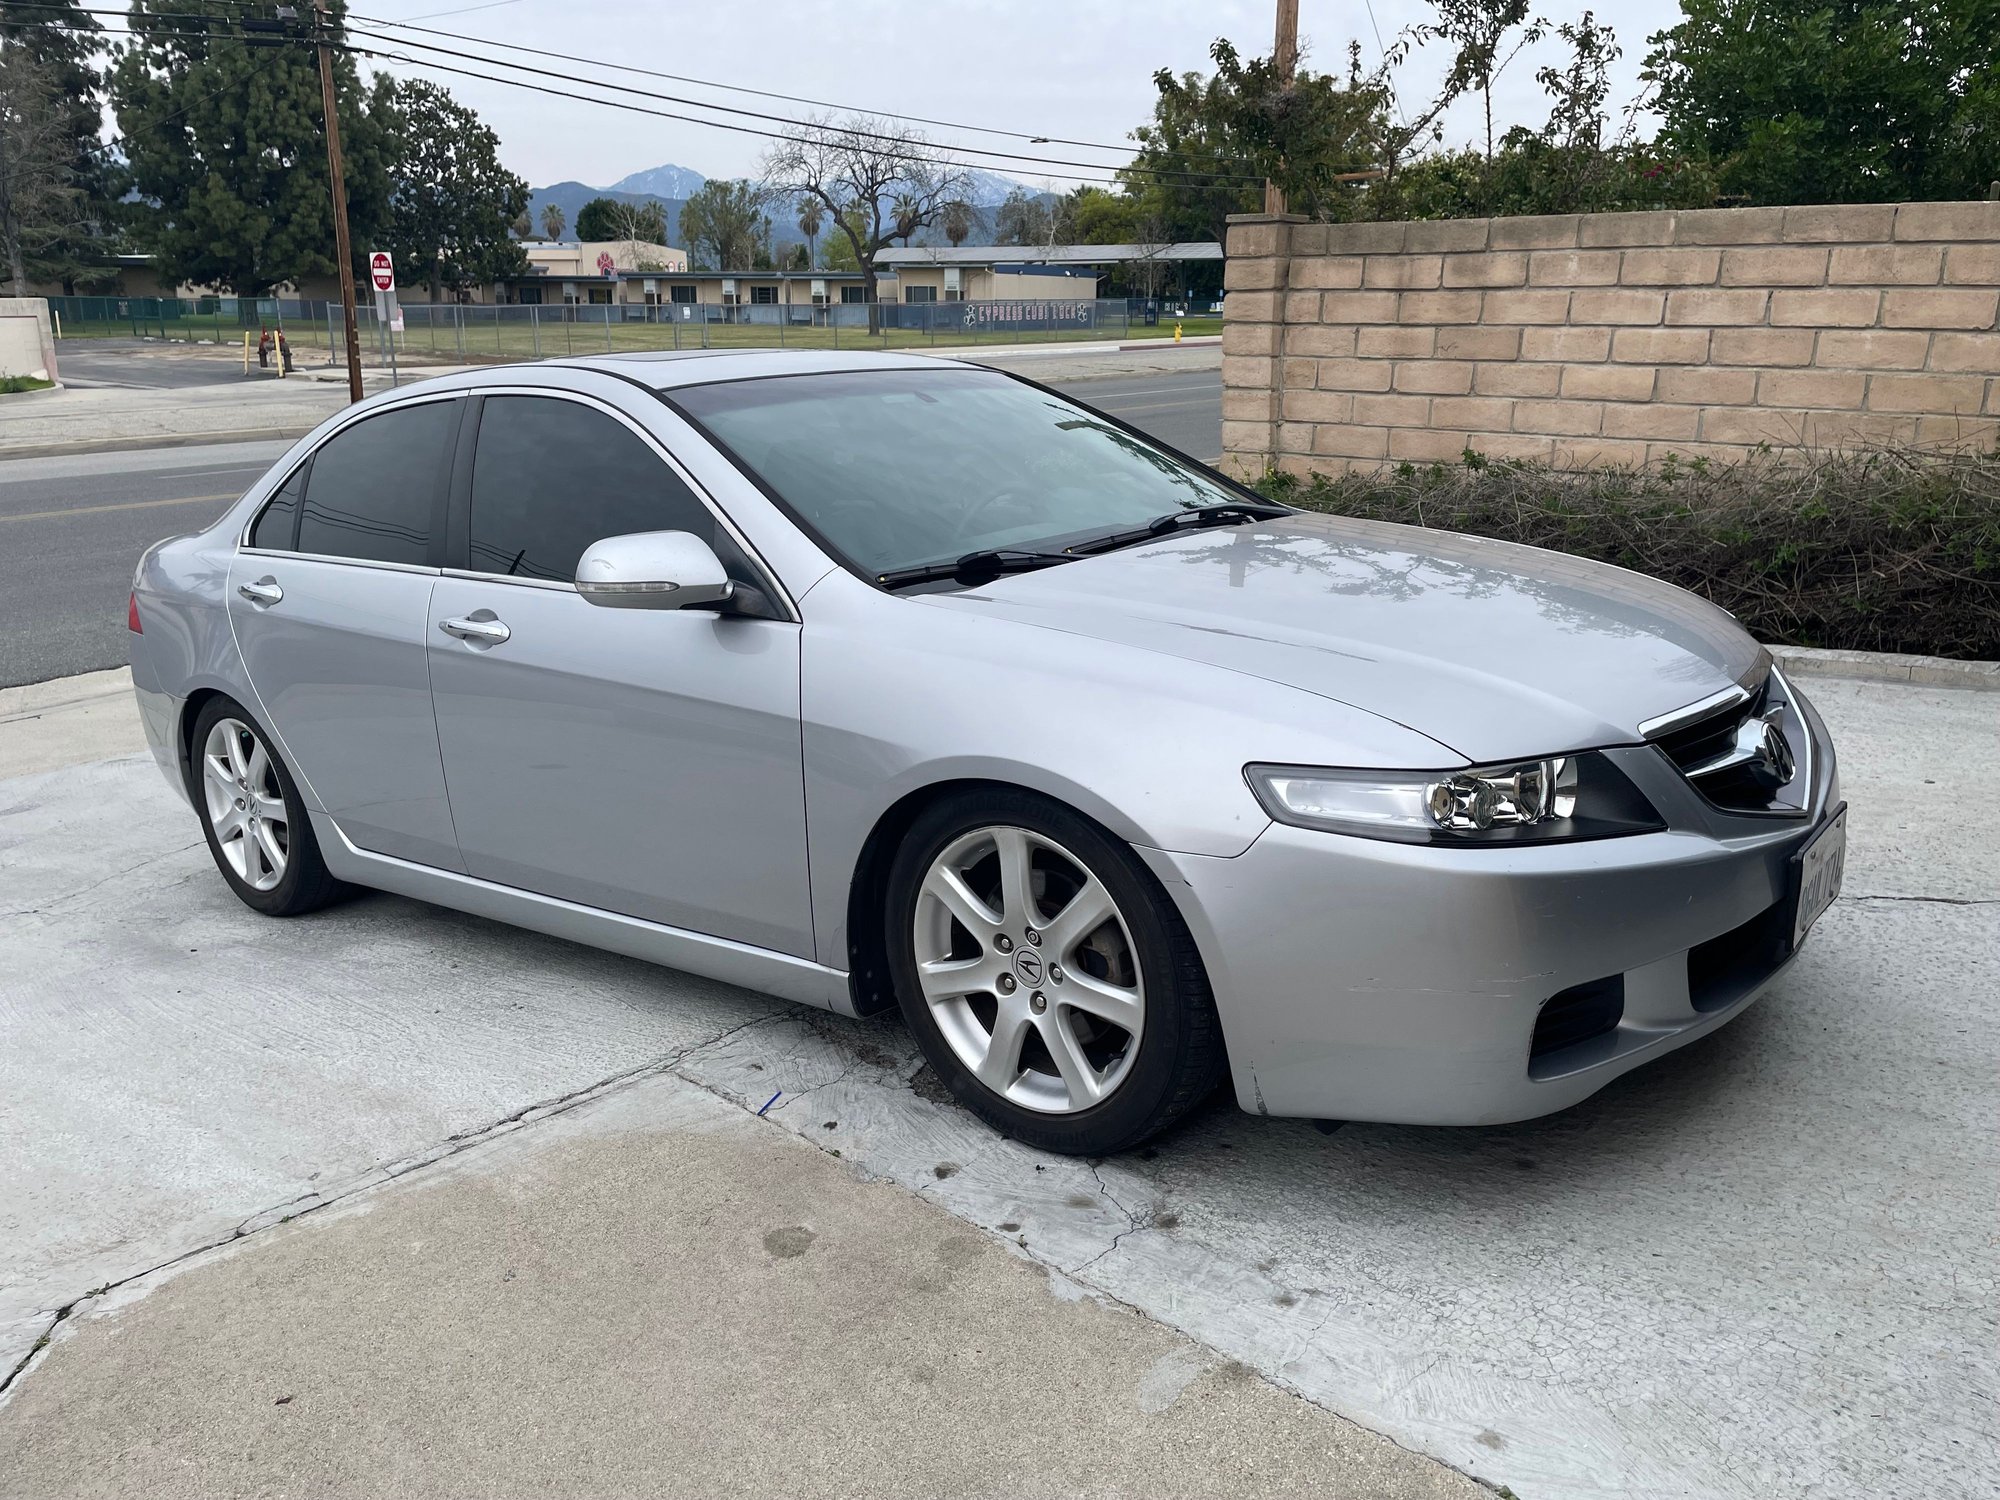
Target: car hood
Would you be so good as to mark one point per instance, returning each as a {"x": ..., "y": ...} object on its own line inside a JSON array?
[{"x": 1494, "y": 650}]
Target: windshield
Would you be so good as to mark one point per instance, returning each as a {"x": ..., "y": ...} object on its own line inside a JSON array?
[{"x": 898, "y": 468}]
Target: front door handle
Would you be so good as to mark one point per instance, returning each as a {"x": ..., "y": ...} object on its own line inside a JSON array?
[
  {"x": 480, "y": 632},
  {"x": 264, "y": 591}
]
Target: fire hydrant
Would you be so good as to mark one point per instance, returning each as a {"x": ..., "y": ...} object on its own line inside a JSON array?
[{"x": 1177, "y": 330}]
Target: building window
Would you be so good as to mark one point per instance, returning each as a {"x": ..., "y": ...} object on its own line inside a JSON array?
[
  {"x": 600, "y": 294},
  {"x": 853, "y": 294},
  {"x": 682, "y": 295},
  {"x": 763, "y": 295},
  {"x": 920, "y": 294}
]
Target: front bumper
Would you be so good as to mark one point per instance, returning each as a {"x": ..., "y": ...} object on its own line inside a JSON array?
[{"x": 1364, "y": 980}]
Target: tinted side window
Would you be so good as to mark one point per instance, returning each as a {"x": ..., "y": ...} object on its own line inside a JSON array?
[
  {"x": 275, "y": 527},
  {"x": 551, "y": 477},
  {"x": 372, "y": 487}
]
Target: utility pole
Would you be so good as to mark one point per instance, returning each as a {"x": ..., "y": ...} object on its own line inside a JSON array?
[
  {"x": 337, "y": 172},
  {"x": 1285, "y": 60}
]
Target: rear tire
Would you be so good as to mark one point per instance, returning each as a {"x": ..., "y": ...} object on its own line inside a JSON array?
[
  {"x": 258, "y": 831},
  {"x": 1046, "y": 976}
]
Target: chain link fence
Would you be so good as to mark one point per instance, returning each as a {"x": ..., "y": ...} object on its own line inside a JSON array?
[{"x": 470, "y": 333}]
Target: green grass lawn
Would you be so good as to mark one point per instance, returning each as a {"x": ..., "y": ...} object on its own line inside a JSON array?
[{"x": 14, "y": 385}]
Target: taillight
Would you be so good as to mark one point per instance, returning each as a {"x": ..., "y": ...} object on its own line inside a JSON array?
[{"x": 132, "y": 614}]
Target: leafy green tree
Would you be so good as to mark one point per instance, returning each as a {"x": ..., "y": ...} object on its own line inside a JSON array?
[
  {"x": 227, "y": 153},
  {"x": 598, "y": 220},
  {"x": 1100, "y": 217},
  {"x": 552, "y": 221},
  {"x": 74, "y": 245},
  {"x": 452, "y": 206},
  {"x": 1023, "y": 220},
  {"x": 724, "y": 225},
  {"x": 1835, "y": 101},
  {"x": 1212, "y": 140}
]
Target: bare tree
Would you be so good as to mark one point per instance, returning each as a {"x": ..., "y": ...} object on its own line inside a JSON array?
[
  {"x": 878, "y": 182},
  {"x": 38, "y": 202}
]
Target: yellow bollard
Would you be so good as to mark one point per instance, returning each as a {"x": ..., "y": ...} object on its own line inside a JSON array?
[{"x": 1177, "y": 330}]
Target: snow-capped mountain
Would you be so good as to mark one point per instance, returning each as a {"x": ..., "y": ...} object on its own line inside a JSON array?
[{"x": 667, "y": 181}]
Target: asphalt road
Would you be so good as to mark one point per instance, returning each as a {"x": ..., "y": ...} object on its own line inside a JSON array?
[
  {"x": 72, "y": 528},
  {"x": 134, "y": 364}
]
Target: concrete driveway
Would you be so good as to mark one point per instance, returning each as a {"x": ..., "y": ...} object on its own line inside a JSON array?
[{"x": 1763, "y": 1267}]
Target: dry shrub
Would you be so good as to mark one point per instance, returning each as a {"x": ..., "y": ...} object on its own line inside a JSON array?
[{"x": 1884, "y": 550}]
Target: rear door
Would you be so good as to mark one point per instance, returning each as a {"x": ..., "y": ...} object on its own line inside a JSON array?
[
  {"x": 645, "y": 762},
  {"x": 330, "y": 598}
]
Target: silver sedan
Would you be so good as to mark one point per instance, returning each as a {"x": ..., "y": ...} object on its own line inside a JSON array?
[{"x": 877, "y": 681}]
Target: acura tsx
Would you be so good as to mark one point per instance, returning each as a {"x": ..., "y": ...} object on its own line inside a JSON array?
[{"x": 880, "y": 681}]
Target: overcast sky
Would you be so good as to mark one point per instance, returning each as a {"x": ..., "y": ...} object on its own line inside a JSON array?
[{"x": 1077, "y": 68}]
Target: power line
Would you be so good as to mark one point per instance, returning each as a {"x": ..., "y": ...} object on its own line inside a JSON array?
[
  {"x": 753, "y": 114},
  {"x": 948, "y": 149},
  {"x": 737, "y": 88}
]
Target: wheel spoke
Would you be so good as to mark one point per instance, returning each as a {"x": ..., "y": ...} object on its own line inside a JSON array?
[
  {"x": 948, "y": 978},
  {"x": 1016, "y": 877},
  {"x": 1085, "y": 913},
  {"x": 259, "y": 766},
  {"x": 1002, "y": 1063},
  {"x": 239, "y": 767},
  {"x": 948, "y": 886},
  {"x": 273, "y": 852},
  {"x": 216, "y": 769},
  {"x": 1109, "y": 1002},
  {"x": 1077, "y": 1074}
]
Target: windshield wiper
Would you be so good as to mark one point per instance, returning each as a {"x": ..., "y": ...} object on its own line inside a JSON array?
[
  {"x": 975, "y": 567},
  {"x": 1230, "y": 514}
]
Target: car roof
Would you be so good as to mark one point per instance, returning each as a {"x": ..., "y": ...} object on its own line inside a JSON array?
[{"x": 664, "y": 369}]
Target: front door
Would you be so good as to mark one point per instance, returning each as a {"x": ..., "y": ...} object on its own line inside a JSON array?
[
  {"x": 329, "y": 602},
  {"x": 645, "y": 762}
]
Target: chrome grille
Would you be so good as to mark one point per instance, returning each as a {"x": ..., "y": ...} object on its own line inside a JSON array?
[{"x": 1719, "y": 749}]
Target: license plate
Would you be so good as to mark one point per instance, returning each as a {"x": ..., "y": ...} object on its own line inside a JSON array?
[{"x": 1820, "y": 865}]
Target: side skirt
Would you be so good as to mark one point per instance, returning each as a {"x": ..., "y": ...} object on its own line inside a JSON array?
[{"x": 753, "y": 968}]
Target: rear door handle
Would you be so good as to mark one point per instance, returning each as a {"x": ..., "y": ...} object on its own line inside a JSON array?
[
  {"x": 264, "y": 591},
  {"x": 486, "y": 632}
]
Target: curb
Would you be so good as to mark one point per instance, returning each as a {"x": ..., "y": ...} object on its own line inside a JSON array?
[
  {"x": 37, "y": 698},
  {"x": 156, "y": 440},
  {"x": 1887, "y": 666}
]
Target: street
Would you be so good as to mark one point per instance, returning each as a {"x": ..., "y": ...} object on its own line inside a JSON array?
[{"x": 72, "y": 527}]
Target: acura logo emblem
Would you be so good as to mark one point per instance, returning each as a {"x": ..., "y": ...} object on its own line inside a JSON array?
[
  {"x": 1028, "y": 964},
  {"x": 1766, "y": 751}
]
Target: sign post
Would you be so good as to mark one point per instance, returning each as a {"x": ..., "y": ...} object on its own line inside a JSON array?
[{"x": 388, "y": 316}]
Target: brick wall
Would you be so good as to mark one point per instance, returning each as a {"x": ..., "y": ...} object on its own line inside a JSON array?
[{"x": 1610, "y": 338}]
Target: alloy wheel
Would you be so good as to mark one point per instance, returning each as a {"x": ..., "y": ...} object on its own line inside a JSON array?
[
  {"x": 246, "y": 806},
  {"x": 1029, "y": 969}
]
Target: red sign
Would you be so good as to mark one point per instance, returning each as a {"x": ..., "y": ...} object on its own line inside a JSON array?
[
  {"x": 605, "y": 263},
  {"x": 382, "y": 271}
]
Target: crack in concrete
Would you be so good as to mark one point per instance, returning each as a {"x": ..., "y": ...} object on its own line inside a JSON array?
[
  {"x": 35, "y": 911},
  {"x": 384, "y": 1173},
  {"x": 1932, "y": 900},
  {"x": 1133, "y": 1223}
]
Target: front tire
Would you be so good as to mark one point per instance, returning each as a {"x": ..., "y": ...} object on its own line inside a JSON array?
[
  {"x": 255, "y": 821},
  {"x": 1046, "y": 976}
]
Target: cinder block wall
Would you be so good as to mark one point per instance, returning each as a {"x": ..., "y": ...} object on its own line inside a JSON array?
[{"x": 1610, "y": 338}]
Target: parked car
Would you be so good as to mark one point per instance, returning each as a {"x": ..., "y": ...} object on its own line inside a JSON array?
[{"x": 876, "y": 681}]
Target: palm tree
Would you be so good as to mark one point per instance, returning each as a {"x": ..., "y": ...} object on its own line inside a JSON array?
[
  {"x": 809, "y": 222},
  {"x": 957, "y": 221},
  {"x": 552, "y": 220}
]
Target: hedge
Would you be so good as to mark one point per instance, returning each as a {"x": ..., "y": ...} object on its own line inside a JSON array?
[{"x": 1875, "y": 551}]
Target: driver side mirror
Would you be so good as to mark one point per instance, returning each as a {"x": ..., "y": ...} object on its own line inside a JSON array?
[{"x": 653, "y": 570}]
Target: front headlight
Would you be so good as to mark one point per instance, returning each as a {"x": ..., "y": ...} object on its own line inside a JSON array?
[{"x": 1562, "y": 797}]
